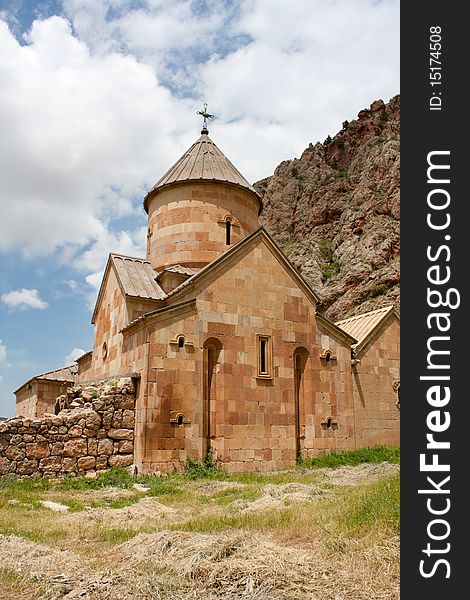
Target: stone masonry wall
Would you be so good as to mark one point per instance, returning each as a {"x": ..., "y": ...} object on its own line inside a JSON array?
[{"x": 93, "y": 431}]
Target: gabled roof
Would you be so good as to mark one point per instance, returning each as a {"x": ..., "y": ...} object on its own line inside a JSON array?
[
  {"x": 226, "y": 256},
  {"x": 204, "y": 161},
  {"x": 65, "y": 374},
  {"x": 363, "y": 327},
  {"x": 260, "y": 232},
  {"x": 135, "y": 276}
]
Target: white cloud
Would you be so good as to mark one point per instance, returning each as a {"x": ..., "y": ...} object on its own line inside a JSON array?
[
  {"x": 81, "y": 134},
  {"x": 130, "y": 243},
  {"x": 311, "y": 65},
  {"x": 278, "y": 74},
  {"x": 72, "y": 356},
  {"x": 71, "y": 283},
  {"x": 92, "y": 261},
  {"x": 91, "y": 118},
  {"x": 170, "y": 36},
  {"x": 3, "y": 352},
  {"x": 23, "y": 299}
]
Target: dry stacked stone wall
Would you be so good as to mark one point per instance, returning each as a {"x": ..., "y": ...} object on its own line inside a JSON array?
[{"x": 93, "y": 430}]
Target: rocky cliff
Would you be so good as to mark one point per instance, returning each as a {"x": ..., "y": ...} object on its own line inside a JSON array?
[{"x": 335, "y": 212}]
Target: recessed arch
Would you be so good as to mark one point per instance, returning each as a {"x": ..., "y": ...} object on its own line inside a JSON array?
[
  {"x": 300, "y": 356},
  {"x": 211, "y": 349}
]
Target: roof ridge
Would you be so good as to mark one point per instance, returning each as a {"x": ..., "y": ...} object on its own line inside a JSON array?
[
  {"x": 54, "y": 371},
  {"x": 132, "y": 270},
  {"x": 151, "y": 281},
  {"x": 366, "y": 314},
  {"x": 115, "y": 254},
  {"x": 363, "y": 326}
]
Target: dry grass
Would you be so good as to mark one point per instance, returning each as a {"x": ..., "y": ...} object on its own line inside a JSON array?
[
  {"x": 296, "y": 535},
  {"x": 236, "y": 564},
  {"x": 13, "y": 585}
]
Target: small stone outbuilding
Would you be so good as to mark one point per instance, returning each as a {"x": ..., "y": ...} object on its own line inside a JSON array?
[
  {"x": 376, "y": 375},
  {"x": 38, "y": 396}
]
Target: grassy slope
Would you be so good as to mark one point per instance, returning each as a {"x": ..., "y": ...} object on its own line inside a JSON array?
[{"x": 335, "y": 519}]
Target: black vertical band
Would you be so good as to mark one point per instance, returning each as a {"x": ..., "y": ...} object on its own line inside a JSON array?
[{"x": 435, "y": 160}]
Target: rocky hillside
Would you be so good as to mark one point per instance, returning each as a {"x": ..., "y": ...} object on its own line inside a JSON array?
[{"x": 335, "y": 212}]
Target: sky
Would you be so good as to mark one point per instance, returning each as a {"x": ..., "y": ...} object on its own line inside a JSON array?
[{"x": 98, "y": 98}]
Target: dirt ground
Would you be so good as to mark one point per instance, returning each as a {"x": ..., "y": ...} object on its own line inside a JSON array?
[{"x": 212, "y": 540}]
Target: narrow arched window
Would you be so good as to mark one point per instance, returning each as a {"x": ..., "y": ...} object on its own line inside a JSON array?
[
  {"x": 181, "y": 341},
  {"x": 264, "y": 357},
  {"x": 263, "y": 363},
  {"x": 228, "y": 232}
]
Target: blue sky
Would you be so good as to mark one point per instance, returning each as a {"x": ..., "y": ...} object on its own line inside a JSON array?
[{"x": 98, "y": 99}]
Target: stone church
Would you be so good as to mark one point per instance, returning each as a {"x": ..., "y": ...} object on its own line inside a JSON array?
[{"x": 222, "y": 338}]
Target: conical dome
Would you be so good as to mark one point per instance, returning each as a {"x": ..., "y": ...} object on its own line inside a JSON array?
[
  {"x": 203, "y": 161},
  {"x": 199, "y": 208}
]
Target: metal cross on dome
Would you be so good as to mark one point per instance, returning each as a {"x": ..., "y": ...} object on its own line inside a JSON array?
[{"x": 206, "y": 116}]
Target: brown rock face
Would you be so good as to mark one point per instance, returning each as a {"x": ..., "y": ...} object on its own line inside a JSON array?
[
  {"x": 121, "y": 434},
  {"x": 101, "y": 462},
  {"x": 52, "y": 464},
  {"x": 126, "y": 447},
  {"x": 120, "y": 460},
  {"x": 5, "y": 465},
  {"x": 37, "y": 450},
  {"x": 75, "y": 447},
  {"x": 335, "y": 212},
  {"x": 14, "y": 453},
  {"x": 26, "y": 467},
  {"x": 128, "y": 419},
  {"x": 105, "y": 447},
  {"x": 85, "y": 463}
]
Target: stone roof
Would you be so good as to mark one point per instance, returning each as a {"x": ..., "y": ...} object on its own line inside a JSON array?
[
  {"x": 179, "y": 269},
  {"x": 82, "y": 356},
  {"x": 363, "y": 326},
  {"x": 204, "y": 161},
  {"x": 68, "y": 373},
  {"x": 137, "y": 277},
  {"x": 333, "y": 328}
]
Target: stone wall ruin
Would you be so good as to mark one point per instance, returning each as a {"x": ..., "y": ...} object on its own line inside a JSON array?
[{"x": 93, "y": 430}]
